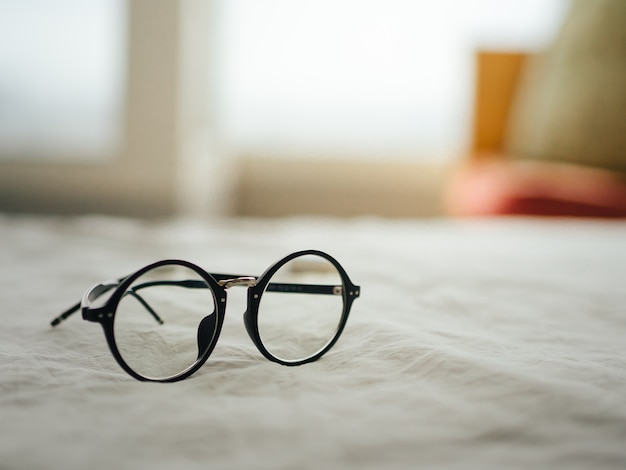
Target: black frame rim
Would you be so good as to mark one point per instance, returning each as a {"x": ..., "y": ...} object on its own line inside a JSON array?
[
  {"x": 219, "y": 299},
  {"x": 255, "y": 295}
]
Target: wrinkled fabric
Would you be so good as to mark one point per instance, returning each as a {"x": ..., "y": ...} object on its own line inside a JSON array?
[{"x": 475, "y": 344}]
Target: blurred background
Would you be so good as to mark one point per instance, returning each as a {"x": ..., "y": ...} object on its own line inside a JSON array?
[{"x": 153, "y": 108}]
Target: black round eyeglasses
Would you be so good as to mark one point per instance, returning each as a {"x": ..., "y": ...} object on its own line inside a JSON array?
[{"x": 163, "y": 321}]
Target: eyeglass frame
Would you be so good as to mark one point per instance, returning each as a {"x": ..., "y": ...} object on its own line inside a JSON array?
[{"x": 218, "y": 284}]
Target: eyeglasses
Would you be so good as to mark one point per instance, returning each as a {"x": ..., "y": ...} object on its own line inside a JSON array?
[{"x": 162, "y": 322}]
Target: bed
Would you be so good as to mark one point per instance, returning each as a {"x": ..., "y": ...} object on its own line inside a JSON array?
[{"x": 486, "y": 343}]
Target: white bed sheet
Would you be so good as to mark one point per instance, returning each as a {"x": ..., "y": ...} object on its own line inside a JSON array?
[{"x": 475, "y": 344}]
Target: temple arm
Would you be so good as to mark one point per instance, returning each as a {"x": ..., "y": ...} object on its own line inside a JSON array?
[
  {"x": 291, "y": 288},
  {"x": 74, "y": 308},
  {"x": 94, "y": 292}
]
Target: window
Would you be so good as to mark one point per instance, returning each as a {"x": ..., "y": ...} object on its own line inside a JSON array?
[{"x": 61, "y": 78}]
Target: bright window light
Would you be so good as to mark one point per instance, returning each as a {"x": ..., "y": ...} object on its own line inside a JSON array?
[
  {"x": 61, "y": 77},
  {"x": 362, "y": 77}
]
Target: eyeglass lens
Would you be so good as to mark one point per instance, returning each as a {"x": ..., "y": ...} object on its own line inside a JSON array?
[
  {"x": 294, "y": 322},
  {"x": 165, "y": 321}
]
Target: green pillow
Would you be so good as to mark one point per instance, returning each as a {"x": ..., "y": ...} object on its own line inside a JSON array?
[{"x": 571, "y": 106}]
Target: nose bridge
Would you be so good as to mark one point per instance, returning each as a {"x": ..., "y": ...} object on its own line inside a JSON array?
[{"x": 248, "y": 281}]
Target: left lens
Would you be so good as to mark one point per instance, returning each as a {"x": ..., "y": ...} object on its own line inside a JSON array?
[
  {"x": 165, "y": 321},
  {"x": 301, "y": 309}
]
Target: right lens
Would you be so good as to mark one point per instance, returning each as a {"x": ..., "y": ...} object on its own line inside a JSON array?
[
  {"x": 301, "y": 310},
  {"x": 165, "y": 321}
]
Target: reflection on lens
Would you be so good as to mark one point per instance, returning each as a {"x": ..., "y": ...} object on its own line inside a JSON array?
[
  {"x": 301, "y": 308},
  {"x": 165, "y": 321}
]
